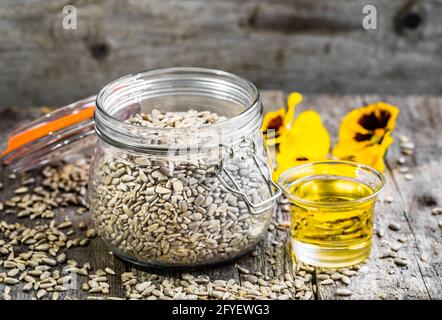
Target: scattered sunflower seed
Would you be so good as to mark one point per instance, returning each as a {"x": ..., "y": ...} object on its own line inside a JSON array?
[
  {"x": 21, "y": 190},
  {"x": 404, "y": 170},
  {"x": 394, "y": 226},
  {"x": 326, "y": 282},
  {"x": 109, "y": 271},
  {"x": 91, "y": 233},
  {"x": 343, "y": 292},
  {"x": 400, "y": 262},
  {"x": 243, "y": 270},
  {"x": 403, "y": 139},
  {"x": 322, "y": 277},
  {"x": 10, "y": 281},
  {"x": 41, "y": 293},
  {"x": 346, "y": 280}
]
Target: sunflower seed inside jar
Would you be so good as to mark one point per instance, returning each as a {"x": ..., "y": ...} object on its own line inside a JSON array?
[{"x": 173, "y": 210}]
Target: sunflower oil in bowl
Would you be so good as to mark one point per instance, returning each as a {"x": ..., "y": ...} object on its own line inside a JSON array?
[{"x": 331, "y": 218}]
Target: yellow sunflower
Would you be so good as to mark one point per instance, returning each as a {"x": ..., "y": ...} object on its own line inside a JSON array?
[{"x": 365, "y": 134}]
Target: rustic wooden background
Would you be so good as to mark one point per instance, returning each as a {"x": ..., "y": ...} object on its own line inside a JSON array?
[{"x": 316, "y": 46}]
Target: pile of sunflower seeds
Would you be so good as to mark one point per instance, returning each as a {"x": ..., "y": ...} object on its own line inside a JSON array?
[
  {"x": 187, "y": 119},
  {"x": 165, "y": 210},
  {"x": 329, "y": 276},
  {"x": 59, "y": 187},
  {"x": 34, "y": 257},
  {"x": 201, "y": 287}
]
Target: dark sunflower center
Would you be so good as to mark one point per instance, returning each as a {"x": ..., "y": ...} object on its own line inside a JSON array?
[
  {"x": 363, "y": 137},
  {"x": 275, "y": 123},
  {"x": 372, "y": 121}
]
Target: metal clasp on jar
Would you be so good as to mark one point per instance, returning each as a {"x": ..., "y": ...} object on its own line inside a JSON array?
[{"x": 249, "y": 146}]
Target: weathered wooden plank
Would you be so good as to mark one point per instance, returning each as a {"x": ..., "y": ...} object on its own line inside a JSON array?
[
  {"x": 422, "y": 123},
  {"x": 312, "y": 46}
]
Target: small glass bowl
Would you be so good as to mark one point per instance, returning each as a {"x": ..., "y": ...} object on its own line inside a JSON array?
[{"x": 331, "y": 209}]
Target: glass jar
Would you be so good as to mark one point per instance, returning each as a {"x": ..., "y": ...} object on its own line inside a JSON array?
[{"x": 180, "y": 196}]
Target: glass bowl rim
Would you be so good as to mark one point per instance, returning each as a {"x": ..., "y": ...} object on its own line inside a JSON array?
[{"x": 285, "y": 176}]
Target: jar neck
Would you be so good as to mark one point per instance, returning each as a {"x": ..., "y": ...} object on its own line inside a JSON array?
[{"x": 177, "y": 89}]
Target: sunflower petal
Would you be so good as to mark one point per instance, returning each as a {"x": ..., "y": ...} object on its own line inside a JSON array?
[
  {"x": 293, "y": 100},
  {"x": 308, "y": 137},
  {"x": 307, "y": 140}
]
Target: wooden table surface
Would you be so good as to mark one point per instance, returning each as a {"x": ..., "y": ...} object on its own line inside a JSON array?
[{"x": 420, "y": 119}]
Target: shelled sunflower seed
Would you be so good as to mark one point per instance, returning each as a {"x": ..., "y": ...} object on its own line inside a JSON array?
[
  {"x": 394, "y": 226},
  {"x": 168, "y": 210},
  {"x": 400, "y": 262},
  {"x": 343, "y": 292}
]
